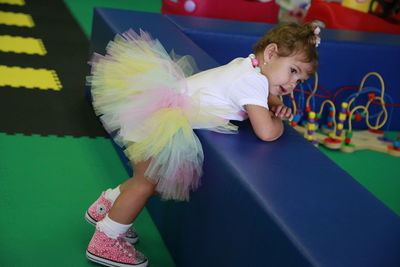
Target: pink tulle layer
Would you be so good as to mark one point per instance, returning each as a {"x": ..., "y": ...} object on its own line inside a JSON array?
[{"x": 141, "y": 92}]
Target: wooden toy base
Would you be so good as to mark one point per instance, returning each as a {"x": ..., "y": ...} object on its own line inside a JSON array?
[{"x": 361, "y": 140}]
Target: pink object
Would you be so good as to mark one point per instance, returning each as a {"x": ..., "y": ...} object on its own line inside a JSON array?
[
  {"x": 99, "y": 209},
  {"x": 114, "y": 252},
  {"x": 335, "y": 16},
  {"x": 243, "y": 115},
  {"x": 244, "y": 10},
  {"x": 254, "y": 62}
]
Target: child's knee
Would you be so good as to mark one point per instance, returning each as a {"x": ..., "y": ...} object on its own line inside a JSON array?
[{"x": 139, "y": 168}]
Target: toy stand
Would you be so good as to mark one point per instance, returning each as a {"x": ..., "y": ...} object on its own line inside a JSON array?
[{"x": 335, "y": 136}]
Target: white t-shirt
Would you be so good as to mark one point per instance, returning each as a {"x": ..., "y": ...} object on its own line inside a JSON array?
[{"x": 231, "y": 87}]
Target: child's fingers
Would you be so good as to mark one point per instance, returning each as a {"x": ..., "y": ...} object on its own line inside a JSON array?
[
  {"x": 278, "y": 110},
  {"x": 285, "y": 112},
  {"x": 288, "y": 112}
]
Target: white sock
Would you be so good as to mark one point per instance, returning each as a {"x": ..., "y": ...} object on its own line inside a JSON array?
[
  {"x": 111, "y": 228},
  {"x": 112, "y": 194}
]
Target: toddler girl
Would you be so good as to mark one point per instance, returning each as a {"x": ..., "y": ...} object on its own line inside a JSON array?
[{"x": 152, "y": 103}]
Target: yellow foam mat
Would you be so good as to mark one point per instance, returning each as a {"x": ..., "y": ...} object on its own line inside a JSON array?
[
  {"x": 30, "y": 78},
  {"x": 25, "y": 45},
  {"x": 16, "y": 19},
  {"x": 13, "y": 2}
]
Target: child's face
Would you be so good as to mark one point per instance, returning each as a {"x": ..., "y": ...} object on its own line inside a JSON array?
[{"x": 284, "y": 73}]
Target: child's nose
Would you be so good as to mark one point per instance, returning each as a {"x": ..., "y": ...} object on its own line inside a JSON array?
[{"x": 293, "y": 82}]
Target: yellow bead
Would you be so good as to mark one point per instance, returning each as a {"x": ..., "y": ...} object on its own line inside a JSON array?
[
  {"x": 345, "y": 105},
  {"x": 309, "y": 137},
  {"x": 342, "y": 116},
  {"x": 311, "y": 115},
  {"x": 311, "y": 126},
  {"x": 340, "y": 126}
]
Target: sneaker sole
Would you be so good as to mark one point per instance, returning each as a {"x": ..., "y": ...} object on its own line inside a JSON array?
[
  {"x": 112, "y": 263},
  {"x": 90, "y": 220}
]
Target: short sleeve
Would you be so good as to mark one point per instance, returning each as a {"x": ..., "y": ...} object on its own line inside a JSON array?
[{"x": 251, "y": 89}]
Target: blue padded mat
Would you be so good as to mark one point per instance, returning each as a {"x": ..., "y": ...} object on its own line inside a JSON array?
[
  {"x": 345, "y": 56},
  {"x": 262, "y": 204}
]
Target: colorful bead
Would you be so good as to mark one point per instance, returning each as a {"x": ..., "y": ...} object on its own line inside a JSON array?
[
  {"x": 371, "y": 96},
  {"x": 349, "y": 134},
  {"x": 396, "y": 144},
  {"x": 309, "y": 137},
  {"x": 254, "y": 62}
]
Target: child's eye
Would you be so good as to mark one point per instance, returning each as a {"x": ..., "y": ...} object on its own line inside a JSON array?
[{"x": 293, "y": 70}]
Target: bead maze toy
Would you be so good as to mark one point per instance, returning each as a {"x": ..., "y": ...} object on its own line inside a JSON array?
[{"x": 333, "y": 133}]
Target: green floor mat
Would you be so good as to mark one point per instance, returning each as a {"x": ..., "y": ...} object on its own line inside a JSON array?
[
  {"x": 46, "y": 186},
  {"x": 83, "y": 10},
  {"x": 378, "y": 172}
]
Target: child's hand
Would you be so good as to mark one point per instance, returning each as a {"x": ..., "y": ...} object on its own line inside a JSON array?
[{"x": 282, "y": 112}]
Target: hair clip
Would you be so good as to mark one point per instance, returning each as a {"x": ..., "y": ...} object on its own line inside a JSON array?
[{"x": 317, "y": 30}]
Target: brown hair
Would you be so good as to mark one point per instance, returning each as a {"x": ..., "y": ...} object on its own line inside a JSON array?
[{"x": 291, "y": 38}]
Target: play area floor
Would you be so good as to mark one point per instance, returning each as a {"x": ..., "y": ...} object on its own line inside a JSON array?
[{"x": 55, "y": 157}]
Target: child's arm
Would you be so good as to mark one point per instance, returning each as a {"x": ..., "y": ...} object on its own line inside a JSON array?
[
  {"x": 274, "y": 101},
  {"x": 279, "y": 109},
  {"x": 266, "y": 125}
]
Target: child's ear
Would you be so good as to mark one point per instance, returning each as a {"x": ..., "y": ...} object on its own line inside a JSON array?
[{"x": 269, "y": 51}]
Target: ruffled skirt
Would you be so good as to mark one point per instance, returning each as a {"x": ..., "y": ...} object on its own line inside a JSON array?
[{"x": 140, "y": 92}]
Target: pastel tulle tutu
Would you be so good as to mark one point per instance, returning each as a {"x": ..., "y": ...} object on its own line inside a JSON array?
[{"x": 141, "y": 93}]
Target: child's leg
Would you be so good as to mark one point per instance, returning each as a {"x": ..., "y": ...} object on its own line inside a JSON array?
[
  {"x": 134, "y": 194},
  {"x": 106, "y": 246},
  {"x": 102, "y": 206}
]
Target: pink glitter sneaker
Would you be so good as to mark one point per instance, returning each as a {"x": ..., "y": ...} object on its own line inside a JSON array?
[
  {"x": 99, "y": 209},
  {"x": 114, "y": 252}
]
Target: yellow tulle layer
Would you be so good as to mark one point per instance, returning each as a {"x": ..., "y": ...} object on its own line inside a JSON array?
[{"x": 140, "y": 93}]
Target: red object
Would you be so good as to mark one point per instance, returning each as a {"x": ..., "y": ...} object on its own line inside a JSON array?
[
  {"x": 347, "y": 140},
  {"x": 336, "y": 16},
  {"x": 375, "y": 131},
  {"x": 244, "y": 10},
  {"x": 393, "y": 148},
  {"x": 329, "y": 124},
  {"x": 371, "y": 96},
  {"x": 357, "y": 117},
  {"x": 293, "y": 123},
  {"x": 332, "y": 140},
  {"x": 308, "y": 109}
]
